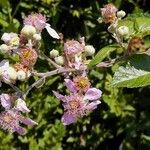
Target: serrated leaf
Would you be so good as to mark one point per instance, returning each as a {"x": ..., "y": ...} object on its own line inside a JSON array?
[
  {"x": 103, "y": 53},
  {"x": 143, "y": 24},
  {"x": 131, "y": 77}
]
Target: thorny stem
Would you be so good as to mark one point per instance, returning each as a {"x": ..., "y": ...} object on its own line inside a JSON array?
[
  {"x": 112, "y": 61},
  {"x": 19, "y": 92},
  {"x": 47, "y": 74}
]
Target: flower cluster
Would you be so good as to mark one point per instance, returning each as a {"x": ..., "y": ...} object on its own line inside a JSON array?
[
  {"x": 82, "y": 99},
  {"x": 72, "y": 63},
  {"x": 11, "y": 117}
]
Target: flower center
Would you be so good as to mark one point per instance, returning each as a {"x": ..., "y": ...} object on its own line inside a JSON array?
[
  {"x": 74, "y": 104},
  {"x": 82, "y": 82},
  {"x": 27, "y": 54},
  {"x": 8, "y": 118}
]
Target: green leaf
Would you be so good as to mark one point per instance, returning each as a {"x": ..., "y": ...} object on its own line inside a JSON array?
[
  {"x": 131, "y": 77},
  {"x": 102, "y": 54},
  {"x": 135, "y": 74},
  {"x": 143, "y": 24},
  {"x": 138, "y": 24}
]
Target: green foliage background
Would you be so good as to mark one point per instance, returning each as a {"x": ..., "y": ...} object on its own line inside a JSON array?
[{"x": 121, "y": 122}]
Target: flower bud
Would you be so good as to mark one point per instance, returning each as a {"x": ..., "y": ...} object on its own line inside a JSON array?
[
  {"x": 59, "y": 60},
  {"x": 28, "y": 30},
  {"x": 121, "y": 14},
  {"x": 54, "y": 53},
  {"x": 4, "y": 48},
  {"x": 123, "y": 30},
  {"x": 12, "y": 73},
  {"x": 21, "y": 75},
  {"x": 89, "y": 50},
  {"x": 37, "y": 37}
]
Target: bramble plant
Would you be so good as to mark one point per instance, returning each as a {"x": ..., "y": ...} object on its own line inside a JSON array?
[{"x": 73, "y": 64}]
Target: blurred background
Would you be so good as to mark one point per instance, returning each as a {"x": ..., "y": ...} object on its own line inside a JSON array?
[{"x": 121, "y": 122}]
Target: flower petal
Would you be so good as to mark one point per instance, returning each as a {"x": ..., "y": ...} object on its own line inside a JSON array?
[
  {"x": 21, "y": 130},
  {"x": 70, "y": 85},
  {"x": 93, "y": 94},
  {"x": 59, "y": 96},
  {"x": 51, "y": 31},
  {"x": 92, "y": 105},
  {"x": 21, "y": 105},
  {"x": 27, "y": 121},
  {"x": 5, "y": 101},
  {"x": 68, "y": 118}
]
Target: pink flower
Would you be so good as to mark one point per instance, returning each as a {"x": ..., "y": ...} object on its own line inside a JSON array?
[
  {"x": 10, "y": 120},
  {"x": 73, "y": 47},
  {"x": 109, "y": 13},
  {"x": 28, "y": 57},
  {"x": 36, "y": 20},
  {"x": 39, "y": 22},
  {"x": 77, "y": 105}
]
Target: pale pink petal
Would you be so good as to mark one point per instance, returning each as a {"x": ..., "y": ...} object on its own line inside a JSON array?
[
  {"x": 70, "y": 85},
  {"x": 92, "y": 105},
  {"x": 27, "y": 121},
  {"x": 68, "y": 118},
  {"x": 93, "y": 94},
  {"x": 59, "y": 96},
  {"x": 21, "y": 131},
  {"x": 5, "y": 101}
]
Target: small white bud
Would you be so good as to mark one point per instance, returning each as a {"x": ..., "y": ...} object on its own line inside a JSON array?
[
  {"x": 59, "y": 60},
  {"x": 53, "y": 53},
  {"x": 28, "y": 30},
  {"x": 21, "y": 75},
  {"x": 123, "y": 30},
  {"x": 37, "y": 37},
  {"x": 4, "y": 48},
  {"x": 12, "y": 73},
  {"x": 121, "y": 14},
  {"x": 89, "y": 50}
]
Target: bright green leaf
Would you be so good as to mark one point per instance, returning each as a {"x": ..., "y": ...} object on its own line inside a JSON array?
[{"x": 102, "y": 54}]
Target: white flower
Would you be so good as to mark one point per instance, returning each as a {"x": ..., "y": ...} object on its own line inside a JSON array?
[{"x": 21, "y": 105}]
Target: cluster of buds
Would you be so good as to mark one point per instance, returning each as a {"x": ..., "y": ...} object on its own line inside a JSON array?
[
  {"x": 76, "y": 55},
  {"x": 111, "y": 15}
]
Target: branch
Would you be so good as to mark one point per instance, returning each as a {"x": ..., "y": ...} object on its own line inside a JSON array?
[{"x": 48, "y": 74}]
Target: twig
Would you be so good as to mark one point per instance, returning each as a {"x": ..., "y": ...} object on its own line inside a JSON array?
[
  {"x": 48, "y": 74},
  {"x": 50, "y": 60},
  {"x": 19, "y": 92}
]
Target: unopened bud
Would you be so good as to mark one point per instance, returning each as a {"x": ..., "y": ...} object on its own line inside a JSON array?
[
  {"x": 89, "y": 50},
  {"x": 12, "y": 73},
  {"x": 54, "y": 53},
  {"x": 4, "y": 48},
  {"x": 121, "y": 14},
  {"x": 59, "y": 60},
  {"x": 21, "y": 75},
  {"x": 123, "y": 30},
  {"x": 28, "y": 30},
  {"x": 37, "y": 37}
]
